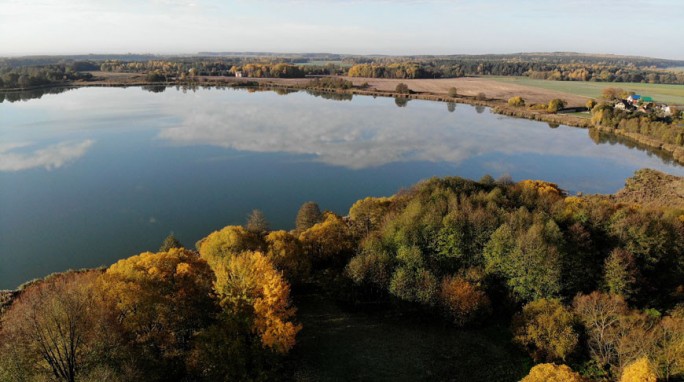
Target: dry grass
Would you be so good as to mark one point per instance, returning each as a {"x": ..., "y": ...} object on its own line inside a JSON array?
[{"x": 471, "y": 86}]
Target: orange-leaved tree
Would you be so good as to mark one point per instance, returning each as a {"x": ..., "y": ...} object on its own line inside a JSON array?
[{"x": 249, "y": 286}]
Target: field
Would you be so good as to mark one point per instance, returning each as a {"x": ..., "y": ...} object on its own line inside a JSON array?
[
  {"x": 338, "y": 344},
  {"x": 471, "y": 86},
  {"x": 671, "y": 94}
]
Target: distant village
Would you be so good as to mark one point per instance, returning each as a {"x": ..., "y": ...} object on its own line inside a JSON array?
[{"x": 643, "y": 104}]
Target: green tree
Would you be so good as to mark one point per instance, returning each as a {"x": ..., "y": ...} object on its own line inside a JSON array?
[{"x": 620, "y": 273}]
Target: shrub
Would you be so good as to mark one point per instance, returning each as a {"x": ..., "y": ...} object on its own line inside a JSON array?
[
  {"x": 555, "y": 105},
  {"x": 402, "y": 88},
  {"x": 516, "y": 101}
]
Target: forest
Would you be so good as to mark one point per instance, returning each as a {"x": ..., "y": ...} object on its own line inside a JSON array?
[
  {"x": 32, "y": 71},
  {"x": 590, "y": 287}
]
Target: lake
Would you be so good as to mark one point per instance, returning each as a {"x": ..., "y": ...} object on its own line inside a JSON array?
[{"x": 92, "y": 175}]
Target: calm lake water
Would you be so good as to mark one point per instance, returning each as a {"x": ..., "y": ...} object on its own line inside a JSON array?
[{"x": 93, "y": 175}]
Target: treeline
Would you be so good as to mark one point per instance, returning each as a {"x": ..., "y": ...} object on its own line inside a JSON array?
[
  {"x": 540, "y": 70},
  {"x": 259, "y": 68},
  {"x": 553, "y": 58},
  {"x": 665, "y": 129},
  {"x": 34, "y": 76},
  {"x": 583, "y": 281}
]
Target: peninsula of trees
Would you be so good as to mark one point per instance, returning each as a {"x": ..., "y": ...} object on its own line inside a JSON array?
[{"x": 591, "y": 287}]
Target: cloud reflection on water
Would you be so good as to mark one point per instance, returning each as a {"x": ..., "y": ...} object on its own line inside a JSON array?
[
  {"x": 14, "y": 158},
  {"x": 360, "y": 135}
]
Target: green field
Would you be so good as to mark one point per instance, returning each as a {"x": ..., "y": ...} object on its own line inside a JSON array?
[{"x": 670, "y": 94}]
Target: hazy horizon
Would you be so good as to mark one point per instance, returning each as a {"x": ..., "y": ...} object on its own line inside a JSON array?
[{"x": 400, "y": 27}]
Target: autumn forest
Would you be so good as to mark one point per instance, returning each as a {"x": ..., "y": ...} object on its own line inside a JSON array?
[{"x": 589, "y": 287}]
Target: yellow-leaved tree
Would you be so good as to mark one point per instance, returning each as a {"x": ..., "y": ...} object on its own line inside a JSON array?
[
  {"x": 330, "y": 241},
  {"x": 227, "y": 242},
  {"x": 639, "y": 371},
  {"x": 545, "y": 329},
  {"x": 547, "y": 372},
  {"x": 286, "y": 253},
  {"x": 162, "y": 299},
  {"x": 249, "y": 286}
]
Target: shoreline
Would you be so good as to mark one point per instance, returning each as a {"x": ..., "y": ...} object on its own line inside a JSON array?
[{"x": 497, "y": 106}]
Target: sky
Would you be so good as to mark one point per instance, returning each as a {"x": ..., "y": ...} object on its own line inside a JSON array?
[{"x": 393, "y": 27}]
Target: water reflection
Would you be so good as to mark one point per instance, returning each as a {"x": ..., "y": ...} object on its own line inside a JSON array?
[
  {"x": 14, "y": 157},
  {"x": 154, "y": 88},
  {"x": 369, "y": 133},
  {"x": 25, "y": 95},
  {"x": 331, "y": 96},
  {"x": 401, "y": 101}
]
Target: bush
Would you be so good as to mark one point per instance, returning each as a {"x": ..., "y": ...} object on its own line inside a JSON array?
[
  {"x": 516, "y": 101},
  {"x": 480, "y": 96},
  {"x": 402, "y": 88},
  {"x": 453, "y": 92},
  {"x": 555, "y": 105}
]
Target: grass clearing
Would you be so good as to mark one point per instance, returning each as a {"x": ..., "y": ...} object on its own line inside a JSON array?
[
  {"x": 670, "y": 94},
  {"x": 337, "y": 344}
]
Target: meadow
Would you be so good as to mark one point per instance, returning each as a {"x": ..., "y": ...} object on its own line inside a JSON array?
[{"x": 670, "y": 94}]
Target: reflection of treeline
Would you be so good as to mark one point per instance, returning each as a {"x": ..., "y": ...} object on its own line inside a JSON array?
[
  {"x": 600, "y": 137},
  {"x": 442, "y": 68},
  {"x": 34, "y": 76},
  {"x": 331, "y": 95},
  {"x": 664, "y": 129},
  {"x": 25, "y": 95}
]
